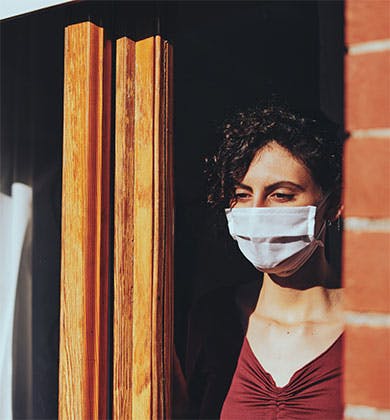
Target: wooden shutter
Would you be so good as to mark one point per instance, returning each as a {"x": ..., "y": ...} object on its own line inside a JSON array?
[
  {"x": 83, "y": 383},
  {"x": 143, "y": 230},
  {"x": 143, "y": 227}
]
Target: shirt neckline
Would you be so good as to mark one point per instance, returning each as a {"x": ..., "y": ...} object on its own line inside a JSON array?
[{"x": 308, "y": 364}]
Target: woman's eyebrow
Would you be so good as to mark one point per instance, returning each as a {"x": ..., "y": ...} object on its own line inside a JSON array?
[
  {"x": 273, "y": 186},
  {"x": 243, "y": 186},
  {"x": 281, "y": 184}
]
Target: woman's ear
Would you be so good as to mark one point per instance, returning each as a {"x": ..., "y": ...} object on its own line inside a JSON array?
[
  {"x": 339, "y": 212},
  {"x": 335, "y": 207}
]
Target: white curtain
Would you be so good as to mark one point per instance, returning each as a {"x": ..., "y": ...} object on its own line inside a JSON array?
[{"x": 15, "y": 213}]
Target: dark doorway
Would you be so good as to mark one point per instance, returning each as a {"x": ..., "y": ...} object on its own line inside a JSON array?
[{"x": 230, "y": 55}]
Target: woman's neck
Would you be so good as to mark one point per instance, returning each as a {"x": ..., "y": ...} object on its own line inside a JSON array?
[{"x": 300, "y": 298}]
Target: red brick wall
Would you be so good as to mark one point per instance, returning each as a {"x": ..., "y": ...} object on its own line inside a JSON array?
[{"x": 366, "y": 244}]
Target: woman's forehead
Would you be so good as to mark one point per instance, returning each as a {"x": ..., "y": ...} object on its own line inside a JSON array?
[{"x": 273, "y": 163}]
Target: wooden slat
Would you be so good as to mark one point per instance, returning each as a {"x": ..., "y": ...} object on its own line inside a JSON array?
[
  {"x": 143, "y": 227},
  {"x": 124, "y": 232},
  {"x": 143, "y": 250},
  {"x": 167, "y": 263},
  {"x": 85, "y": 208},
  {"x": 162, "y": 313},
  {"x": 158, "y": 232}
]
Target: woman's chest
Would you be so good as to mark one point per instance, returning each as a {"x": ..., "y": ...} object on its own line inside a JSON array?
[{"x": 284, "y": 350}]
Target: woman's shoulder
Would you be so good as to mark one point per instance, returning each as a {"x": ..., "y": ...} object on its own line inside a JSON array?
[
  {"x": 217, "y": 324},
  {"x": 215, "y": 334},
  {"x": 224, "y": 304}
]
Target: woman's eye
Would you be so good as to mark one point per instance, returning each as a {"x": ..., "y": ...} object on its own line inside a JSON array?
[
  {"x": 241, "y": 196},
  {"x": 282, "y": 197}
]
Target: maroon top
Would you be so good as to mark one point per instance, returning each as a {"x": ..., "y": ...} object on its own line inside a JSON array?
[{"x": 314, "y": 392}]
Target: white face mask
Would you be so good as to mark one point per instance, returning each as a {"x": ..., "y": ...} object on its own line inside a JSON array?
[{"x": 276, "y": 240}]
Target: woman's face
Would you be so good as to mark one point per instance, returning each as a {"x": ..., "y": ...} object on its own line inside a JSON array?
[{"x": 276, "y": 178}]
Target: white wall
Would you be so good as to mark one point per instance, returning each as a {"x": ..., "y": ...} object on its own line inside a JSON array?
[{"x": 10, "y": 8}]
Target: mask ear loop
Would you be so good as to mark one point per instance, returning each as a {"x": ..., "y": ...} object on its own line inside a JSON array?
[
  {"x": 321, "y": 231},
  {"x": 326, "y": 223},
  {"x": 322, "y": 203}
]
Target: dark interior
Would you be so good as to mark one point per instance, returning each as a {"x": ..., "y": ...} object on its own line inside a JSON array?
[
  {"x": 31, "y": 153},
  {"x": 230, "y": 55}
]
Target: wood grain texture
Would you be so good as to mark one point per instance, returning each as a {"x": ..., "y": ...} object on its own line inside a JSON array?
[
  {"x": 143, "y": 227},
  {"x": 143, "y": 231},
  {"x": 158, "y": 232},
  {"x": 85, "y": 207},
  {"x": 167, "y": 264},
  {"x": 124, "y": 232},
  {"x": 162, "y": 304}
]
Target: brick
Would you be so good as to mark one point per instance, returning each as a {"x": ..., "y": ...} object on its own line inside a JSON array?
[
  {"x": 366, "y": 20},
  {"x": 366, "y": 271},
  {"x": 367, "y": 178},
  {"x": 367, "y": 367},
  {"x": 367, "y": 91}
]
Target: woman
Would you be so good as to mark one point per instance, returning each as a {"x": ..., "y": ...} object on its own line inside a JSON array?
[{"x": 278, "y": 175}]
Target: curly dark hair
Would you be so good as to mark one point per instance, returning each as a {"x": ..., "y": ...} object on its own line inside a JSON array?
[{"x": 313, "y": 140}]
